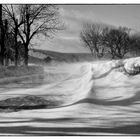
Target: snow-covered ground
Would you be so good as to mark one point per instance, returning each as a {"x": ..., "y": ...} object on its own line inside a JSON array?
[{"x": 102, "y": 97}]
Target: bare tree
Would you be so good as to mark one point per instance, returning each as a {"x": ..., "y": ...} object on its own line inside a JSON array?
[
  {"x": 3, "y": 31},
  {"x": 117, "y": 41},
  {"x": 134, "y": 44},
  {"x": 91, "y": 37},
  {"x": 38, "y": 20},
  {"x": 11, "y": 13},
  {"x": 28, "y": 21},
  {"x": 1, "y": 28}
]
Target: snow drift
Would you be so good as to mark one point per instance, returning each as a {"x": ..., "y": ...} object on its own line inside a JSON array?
[{"x": 100, "y": 80}]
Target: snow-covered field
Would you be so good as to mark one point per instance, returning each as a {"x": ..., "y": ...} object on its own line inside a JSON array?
[{"x": 96, "y": 98}]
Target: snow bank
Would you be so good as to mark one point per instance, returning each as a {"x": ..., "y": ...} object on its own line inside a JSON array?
[
  {"x": 132, "y": 65},
  {"x": 83, "y": 80}
]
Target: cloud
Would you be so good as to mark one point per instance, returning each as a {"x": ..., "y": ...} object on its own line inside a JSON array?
[
  {"x": 69, "y": 39},
  {"x": 74, "y": 16},
  {"x": 65, "y": 44}
]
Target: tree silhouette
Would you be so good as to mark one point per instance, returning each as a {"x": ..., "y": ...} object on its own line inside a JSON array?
[
  {"x": 38, "y": 20},
  {"x": 117, "y": 41},
  {"x": 28, "y": 21},
  {"x": 11, "y": 13},
  {"x": 91, "y": 37}
]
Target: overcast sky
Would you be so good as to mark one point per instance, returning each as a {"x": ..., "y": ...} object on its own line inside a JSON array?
[{"x": 75, "y": 15}]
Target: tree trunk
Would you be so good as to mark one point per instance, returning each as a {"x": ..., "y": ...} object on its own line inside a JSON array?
[
  {"x": 16, "y": 45},
  {"x": 16, "y": 49},
  {"x": 2, "y": 51},
  {"x": 92, "y": 54},
  {"x": 1, "y": 38},
  {"x": 16, "y": 55},
  {"x": 26, "y": 54},
  {"x": 113, "y": 55},
  {"x": 6, "y": 60}
]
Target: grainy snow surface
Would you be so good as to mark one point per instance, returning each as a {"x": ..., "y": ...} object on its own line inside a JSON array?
[{"x": 99, "y": 98}]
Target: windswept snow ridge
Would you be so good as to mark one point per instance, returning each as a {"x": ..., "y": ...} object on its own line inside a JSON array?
[
  {"x": 84, "y": 83},
  {"x": 132, "y": 65},
  {"x": 102, "y": 97}
]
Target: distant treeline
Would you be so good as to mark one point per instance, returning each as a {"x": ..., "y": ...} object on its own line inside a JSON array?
[
  {"x": 116, "y": 42},
  {"x": 19, "y": 24}
]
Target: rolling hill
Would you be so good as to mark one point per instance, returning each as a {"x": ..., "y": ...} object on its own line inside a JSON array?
[{"x": 42, "y": 56}]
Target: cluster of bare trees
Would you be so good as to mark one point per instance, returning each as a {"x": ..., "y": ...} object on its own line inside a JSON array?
[
  {"x": 19, "y": 24},
  {"x": 91, "y": 36},
  {"x": 102, "y": 40},
  {"x": 135, "y": 44}
]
